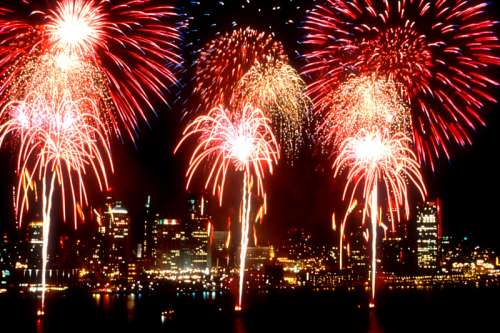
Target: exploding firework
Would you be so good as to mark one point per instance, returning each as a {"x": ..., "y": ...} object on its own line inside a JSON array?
[
  {"x": 131, "y": 44},
  {"x": 362, "y": 102},
  {"x": 59, "y": 144},
  {"x": 242, "y": 142},
  {"x": 375, "y": 158},
  {"x": 79, "y": 80},
  {"x": 224, "y": 61},
  {"x": 277, "y": 89},
  {"x": 441, "y": 52}
]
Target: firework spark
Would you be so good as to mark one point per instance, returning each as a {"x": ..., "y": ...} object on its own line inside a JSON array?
[
  {"x": 244, "y": 143},
  {"x": 59, "y": 144},
  {"x": 441, "y": 52},
  {"x": 131, "y": 43},
  {"x": 76, "y": 27},
  {"x": 377, "y": 157},
  {"x": 79, "y": 80},
  {"x": 363, "y": 102},
  {"x": 224, "y": 61},
  {"x": 277, "y": 89}
]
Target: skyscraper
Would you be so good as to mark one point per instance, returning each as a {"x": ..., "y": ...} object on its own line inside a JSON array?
[
  {"x": 35, "y": 243},
  {"x": 396, "y": 255},
  {"x": 6, "y": 261},
  {"x": 219, "y": 249},
  {"x": 428, "y": 232},
  {"x": 116, "y": 222},
  {"x": 359, "y": 255},
  {"x": 199, "y": 224},
  {"x": 150, "y": 233},
  {"x": 396, "y": 249},
  {"x": 170, "y": 238}
]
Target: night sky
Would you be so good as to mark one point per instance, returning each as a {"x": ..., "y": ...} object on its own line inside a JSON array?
[{"x": 303, "y": 194}]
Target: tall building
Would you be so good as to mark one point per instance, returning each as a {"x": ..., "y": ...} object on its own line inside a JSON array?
[
  {"x": 4, "y": 251},
  {"x": 396, "y": 255},
  {"x": 428, "y": 234},
  {"x": 150, "y": 233},
  {"x": 97, "y": 257},
  {"x": 116, "y": 228},
  {"x": 6, "y": 267},
  {"x": 170, "y": 238},
  {"x": 359, "y": 256},
  {"x": 219, "y": 249},
  {"x": 199, "y": 224},
  {"x": 446, "y": 252},
  {"x": 35, "y": 243},
  {"x": 396, "y": 249}
]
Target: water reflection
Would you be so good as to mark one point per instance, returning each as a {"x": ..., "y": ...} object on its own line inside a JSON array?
[
  {"x": 106, "y": 302},
  {"x": 239, "y": 325},
  {"x": 39, "y": 325},
  {"x": 373, "y": 325},
  {"x": 131, "y": 307}
]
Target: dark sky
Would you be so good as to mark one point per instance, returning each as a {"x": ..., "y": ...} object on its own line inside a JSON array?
[{"x": 300, "y": 195}]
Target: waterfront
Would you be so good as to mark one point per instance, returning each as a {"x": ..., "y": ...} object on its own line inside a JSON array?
[{"x": 446, "y": 310}]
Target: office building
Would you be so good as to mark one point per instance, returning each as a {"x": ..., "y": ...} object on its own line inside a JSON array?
[{"x": 428, "y": 232}]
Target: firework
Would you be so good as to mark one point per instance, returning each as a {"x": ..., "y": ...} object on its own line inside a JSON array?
[
  {"x": 363, "y": 102},
  {"x": 224, "y": 61},
  {"x": 59, "y": 143},
  {"x": 243, "y": 143},
  {"x": 277, "y": 89},
  {"x": 42, "y": 75},
  {"x": 441, "y": 52},
  {"x": 131, "y": 44},
  {"x": 372, "y": 158}
]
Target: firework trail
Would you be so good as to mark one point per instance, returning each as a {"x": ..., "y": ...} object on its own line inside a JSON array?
[
  {"x": 243, "y": 142},
  {"x": 376, "y": 158},
  {"x": 59, "y": 143},
  {"x": 440, "y": 52},
  {"x": 131, "y": 45}
]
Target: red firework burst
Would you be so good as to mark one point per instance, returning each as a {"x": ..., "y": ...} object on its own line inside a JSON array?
[
  {"x": 441, "y": 52},
  {"x": 224, "y": 61},
  {"x": 132, "y": 43}
]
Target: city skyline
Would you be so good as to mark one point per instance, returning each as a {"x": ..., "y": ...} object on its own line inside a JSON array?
[
  {"x": 302, "y": 194},
  {"x": 192, "y": 246},
  {"x": 162, "y": 159}
]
